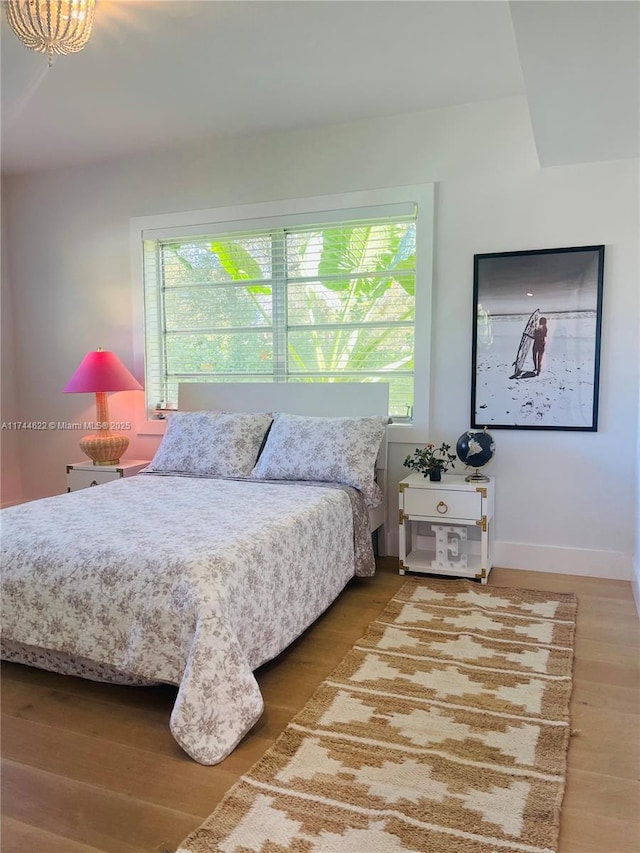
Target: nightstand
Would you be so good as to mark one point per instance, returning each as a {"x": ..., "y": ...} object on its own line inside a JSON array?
[
  {"x": 446, "y": 528},
  {"x": 83, "y": 475}
]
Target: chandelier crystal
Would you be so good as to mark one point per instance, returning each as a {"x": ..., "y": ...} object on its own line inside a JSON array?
[{"x": 51, "y": 26}]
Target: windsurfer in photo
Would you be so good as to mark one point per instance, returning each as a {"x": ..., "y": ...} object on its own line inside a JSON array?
[{"x": 539, "y": 341}]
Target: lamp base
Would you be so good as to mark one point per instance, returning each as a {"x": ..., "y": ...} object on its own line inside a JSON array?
[{"x": 104, "y": 448}]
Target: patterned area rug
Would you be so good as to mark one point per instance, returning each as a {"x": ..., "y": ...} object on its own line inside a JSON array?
[{"x": 445, "y": 729}]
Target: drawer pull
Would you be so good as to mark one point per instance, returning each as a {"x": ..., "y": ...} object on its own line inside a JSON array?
[
  {"x": 442, "y": 508},
  {"x": 93, "y": 483}
]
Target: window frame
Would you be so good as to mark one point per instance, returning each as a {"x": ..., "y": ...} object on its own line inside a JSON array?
[{"x": 300, "y": 211}]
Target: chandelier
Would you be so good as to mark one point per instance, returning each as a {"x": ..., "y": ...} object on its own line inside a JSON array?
[{"x": 51, "y": 26}]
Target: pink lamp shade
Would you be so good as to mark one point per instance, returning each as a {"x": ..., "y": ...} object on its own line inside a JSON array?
[{"x": 99, "y": 372}]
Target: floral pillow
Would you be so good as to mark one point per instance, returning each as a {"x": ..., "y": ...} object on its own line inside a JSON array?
[
  {"x": 334, "y": 450},
  {"x": 213, "y": 444}
]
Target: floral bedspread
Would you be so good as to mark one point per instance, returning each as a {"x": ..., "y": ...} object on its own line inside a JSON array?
[{"x": 188, "y": 581}]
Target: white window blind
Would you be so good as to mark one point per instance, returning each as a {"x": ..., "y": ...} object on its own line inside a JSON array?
[{"x": 327, "y": 302}]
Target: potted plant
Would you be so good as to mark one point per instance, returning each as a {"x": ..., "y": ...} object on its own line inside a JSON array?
[{"x": 431, "y": 461}]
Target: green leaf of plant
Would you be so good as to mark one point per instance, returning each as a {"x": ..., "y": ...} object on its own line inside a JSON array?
[
  {"x": 350, "y": 253},
  {"x": 379, "y": 287},
  {"x": 408, "y": 284},
  {"x": 236, "y": 261}
]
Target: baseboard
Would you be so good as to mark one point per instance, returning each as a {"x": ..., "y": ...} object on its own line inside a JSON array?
[
  {"x": 11, "y": 503},
  {"x": 614, "y": 565}
]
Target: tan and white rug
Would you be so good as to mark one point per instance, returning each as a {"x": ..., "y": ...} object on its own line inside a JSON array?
[{"x": 445, "y": 729}]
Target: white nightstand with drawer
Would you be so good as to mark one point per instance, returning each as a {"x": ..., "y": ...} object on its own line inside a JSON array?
[
  {"x": 446, "y": 527},
  {"x": 83, "y": 475}
]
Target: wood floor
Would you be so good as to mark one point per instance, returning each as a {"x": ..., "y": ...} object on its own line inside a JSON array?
[{"x": 93, "y": 767}]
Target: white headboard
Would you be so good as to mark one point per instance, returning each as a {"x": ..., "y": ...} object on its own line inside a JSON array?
[{"x": 341, "y": 399}]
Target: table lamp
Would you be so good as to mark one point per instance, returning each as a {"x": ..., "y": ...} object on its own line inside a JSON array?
[{"x": 99, "y": 372}]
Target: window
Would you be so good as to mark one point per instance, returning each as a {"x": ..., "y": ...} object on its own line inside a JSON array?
[{"x": 308, "y": 296}]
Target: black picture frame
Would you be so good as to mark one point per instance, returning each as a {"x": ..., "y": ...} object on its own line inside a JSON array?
[{"x": 536, "y": 339}]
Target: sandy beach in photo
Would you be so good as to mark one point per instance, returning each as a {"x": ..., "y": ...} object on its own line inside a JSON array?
[{"x": 562, "y": 395}]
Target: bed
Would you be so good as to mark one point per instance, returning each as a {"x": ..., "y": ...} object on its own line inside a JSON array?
[{"x": 194, "y": 578}]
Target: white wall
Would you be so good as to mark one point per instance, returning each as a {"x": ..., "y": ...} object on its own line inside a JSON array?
[
  {"x": 565, "y": 500},
  {"x": 10, "y": 477},
  {"x": 636, "y": 556}
]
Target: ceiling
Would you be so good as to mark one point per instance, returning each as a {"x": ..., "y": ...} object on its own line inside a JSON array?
[{"x": 157, "y": 74}]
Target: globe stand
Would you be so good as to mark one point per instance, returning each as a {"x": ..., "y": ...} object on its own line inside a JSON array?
[{"x": 476, "y": 477}]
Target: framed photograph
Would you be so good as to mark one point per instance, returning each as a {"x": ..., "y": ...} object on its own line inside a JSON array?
[{"x": 536, "y": 339}]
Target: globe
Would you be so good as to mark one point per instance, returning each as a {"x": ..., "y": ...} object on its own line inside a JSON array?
[{"x": 475, "y": 448}]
